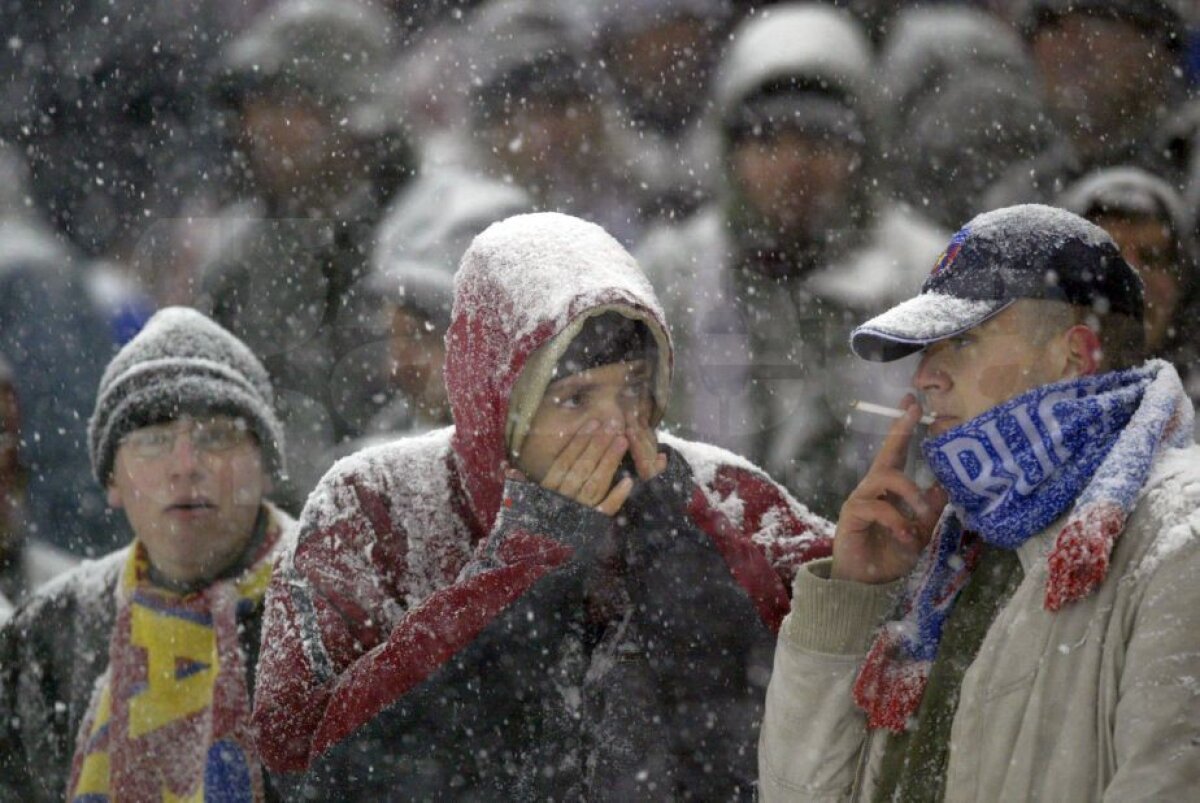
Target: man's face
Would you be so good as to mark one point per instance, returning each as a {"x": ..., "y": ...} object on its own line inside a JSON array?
[
  {"x": 1101, "y": 75},
  {"x": 664, "y": 69},
  {"x": 291, "y": 143},
  {"x": 191, "y": 490},
  {"x": 545, "y": 137},
  {"x": 961, "y": 377},
  {"x": 605, "y": 395},
  {"x": 1149, "y": 246},
  {"x": 799, "y": 184},
  {"x": 418, "y": 354}
]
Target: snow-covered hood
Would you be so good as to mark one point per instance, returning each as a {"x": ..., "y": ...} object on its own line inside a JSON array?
[
  {"x": 427, "y": 229},
  {"x": 521, "y": 283},
  {"x": 334, "y": 50},
  {"x": 928, "y": 46},
  {"x": 812, "y": 41}
]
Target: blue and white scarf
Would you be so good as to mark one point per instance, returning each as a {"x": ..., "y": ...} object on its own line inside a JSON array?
[{"x": 1085, "y": 445}]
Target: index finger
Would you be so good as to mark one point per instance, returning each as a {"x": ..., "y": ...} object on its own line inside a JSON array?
[{"x": 894, "y": 452}]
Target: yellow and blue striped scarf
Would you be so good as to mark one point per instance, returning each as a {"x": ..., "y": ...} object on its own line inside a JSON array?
[{"x": 170, "y": 718}]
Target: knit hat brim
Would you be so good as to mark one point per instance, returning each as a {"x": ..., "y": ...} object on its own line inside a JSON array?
[{"x": 164, "y": 390}]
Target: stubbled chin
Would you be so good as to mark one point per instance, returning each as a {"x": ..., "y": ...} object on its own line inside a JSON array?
[{"x": 942, "y": 425}]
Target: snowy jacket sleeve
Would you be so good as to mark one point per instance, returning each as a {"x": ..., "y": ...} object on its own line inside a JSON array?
[
  {"x": 813, "y": 736},
  {"x": 703, "y": 601}
]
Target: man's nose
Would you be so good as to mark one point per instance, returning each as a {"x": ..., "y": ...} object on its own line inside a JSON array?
[
  {"x": 930, "y": 375},
  {"x": 185, "y": 457}
]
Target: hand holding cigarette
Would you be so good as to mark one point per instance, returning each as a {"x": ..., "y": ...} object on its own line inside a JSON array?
[{"x": 888, "y": 519}]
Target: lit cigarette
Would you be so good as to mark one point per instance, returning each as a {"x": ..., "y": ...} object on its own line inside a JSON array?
[{"x": 890, "y": 412}]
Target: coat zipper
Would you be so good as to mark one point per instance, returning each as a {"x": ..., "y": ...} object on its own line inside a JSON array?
[{"x": 860, "y": 772}]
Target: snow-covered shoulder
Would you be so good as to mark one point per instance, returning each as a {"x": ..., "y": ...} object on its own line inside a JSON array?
[
  {"x": 1172, "y": 498},
  {"x": 708, "y": 461},
  {"x": 410, "y": 472},
  {"x": 89, "y": 581}
]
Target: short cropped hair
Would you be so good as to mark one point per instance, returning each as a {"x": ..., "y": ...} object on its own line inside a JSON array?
[{"x": 1122, "y": 337}]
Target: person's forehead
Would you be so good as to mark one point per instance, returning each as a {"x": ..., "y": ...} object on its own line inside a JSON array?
[
  {"x": 615, "y": 372},
  {"x": 191, "y": 419}
]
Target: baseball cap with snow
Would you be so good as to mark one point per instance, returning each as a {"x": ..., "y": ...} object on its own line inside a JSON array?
[{"x": 1028, "y": 251}]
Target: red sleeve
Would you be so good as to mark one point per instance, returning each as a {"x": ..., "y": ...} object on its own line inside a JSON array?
[
  {"x": 763, "y": 533},
  {"x": 332, "y": 598},
  {"x": 337, "y": 645}
]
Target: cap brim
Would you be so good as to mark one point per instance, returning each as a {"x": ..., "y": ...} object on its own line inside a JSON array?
[{"x": 914, "y": 324}]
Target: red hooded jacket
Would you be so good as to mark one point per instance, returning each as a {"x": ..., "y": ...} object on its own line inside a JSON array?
[{"x": 373, "y": 598}]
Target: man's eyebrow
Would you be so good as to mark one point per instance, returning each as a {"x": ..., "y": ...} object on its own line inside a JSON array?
[
  {"x": 640, "y": 372},
  {"x": 571, "y": 384}
]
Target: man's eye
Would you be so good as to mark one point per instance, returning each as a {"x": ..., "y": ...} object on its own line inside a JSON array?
[
  {"x": 570, "y": 401},
  {"x": 154, "y": 439},
  {"x": 216, "y": 437}
]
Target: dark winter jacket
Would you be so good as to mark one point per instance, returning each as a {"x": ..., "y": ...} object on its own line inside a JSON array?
[
  {"x": 52, "y": 651},
  {"x": 26, "y": 565},
  {"x": 57, "y": 343},
  {"x": 438, "y": 632}
]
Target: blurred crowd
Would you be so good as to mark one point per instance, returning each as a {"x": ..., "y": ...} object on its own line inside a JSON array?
[{"x": 309, "y": 172}]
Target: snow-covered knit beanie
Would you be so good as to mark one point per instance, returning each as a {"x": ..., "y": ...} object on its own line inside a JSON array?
[{"x": 182, "y": 363}]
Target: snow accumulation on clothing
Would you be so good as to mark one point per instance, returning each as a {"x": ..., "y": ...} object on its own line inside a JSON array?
[
  {"x": 706, "y": 460},
  {"x": 552, "y": 265},
  {"x": 1175, "y": 498},
  {"x": 419, "y": 459}
]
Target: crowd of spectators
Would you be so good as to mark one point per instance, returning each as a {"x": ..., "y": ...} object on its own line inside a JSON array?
[{"x": 308, "y": 173}]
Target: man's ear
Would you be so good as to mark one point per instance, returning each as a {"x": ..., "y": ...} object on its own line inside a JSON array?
[
  {"x": 114, "y": 497},
  {"x": 1081, "y": 352}
]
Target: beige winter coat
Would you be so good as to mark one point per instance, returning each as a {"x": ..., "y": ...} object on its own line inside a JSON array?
[{"x": 1098, "y": 701}]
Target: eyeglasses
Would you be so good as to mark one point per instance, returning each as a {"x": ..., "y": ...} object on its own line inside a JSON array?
[{"x": 208, "y": 435}]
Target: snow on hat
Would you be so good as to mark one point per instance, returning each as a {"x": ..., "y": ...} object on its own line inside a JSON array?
[
  {"x": 182, "y": 363},
  {"x": 527, "y": 48},
  {"x": 783, "y": 42},
  {"x": 334, "y": 51},
  {"x": 1028, "y": 251}
]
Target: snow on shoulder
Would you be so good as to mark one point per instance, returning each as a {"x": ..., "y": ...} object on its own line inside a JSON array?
[
  {"x": 1174, "y": 500},
  {"x": 707, "y": 460},
  {"x": 410, "y": 471},
  {"x": 547, "y": 266}
]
